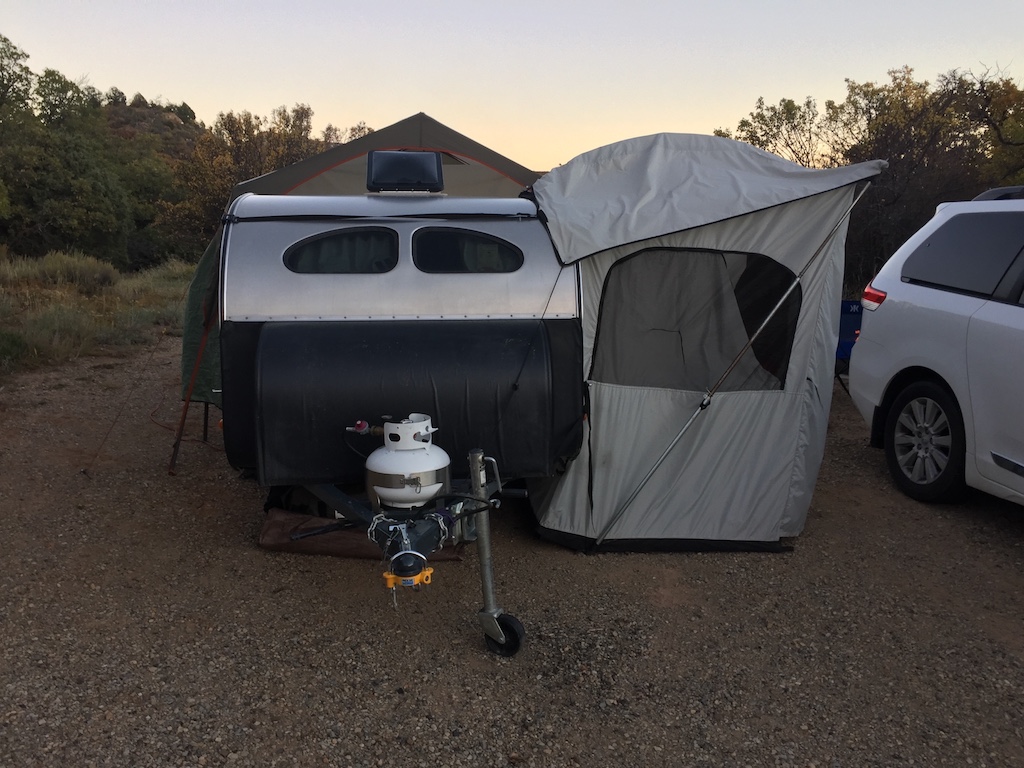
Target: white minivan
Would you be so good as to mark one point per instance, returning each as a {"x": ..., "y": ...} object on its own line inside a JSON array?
[{"x": 938, "y": 368}]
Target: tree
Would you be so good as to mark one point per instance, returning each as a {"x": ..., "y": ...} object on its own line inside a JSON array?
[
  {"x": 115, "y": 96},
  {"x": 239, "y": 146},
  {"x": 241, "y": 136},
  {"x": 997, "y": 103},
  {"x": 58, "y": 99},
  {"x": 183, "y": 111},
  {"x": 788, "y": 129},
  {"x": 65, "y": 196},
  {"x": 129, "y": 181},
  {"x": 332, "y": 135},
  {"x": 288, "y": 136},
  {"x": 16, "y": 81},
  {"x": 85, "y": 171},
  {"x": 357, "y": 131},
  {"x": 947, "y": 141},
  {"x": 935, "y": 154}
]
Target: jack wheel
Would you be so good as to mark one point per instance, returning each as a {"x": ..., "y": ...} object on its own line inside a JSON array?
[{"x": 514, "y": 633}]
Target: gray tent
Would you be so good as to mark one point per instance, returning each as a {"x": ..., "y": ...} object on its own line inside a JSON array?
[
  {"x": 705, "y": 424},
  {"x": 470, "y": 170}
]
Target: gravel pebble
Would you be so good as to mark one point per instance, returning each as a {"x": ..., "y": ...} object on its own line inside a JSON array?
[{"x": 141, "y": 625}]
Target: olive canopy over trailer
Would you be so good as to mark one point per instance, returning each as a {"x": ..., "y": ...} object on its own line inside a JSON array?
[{"x": 470, "y": 170}]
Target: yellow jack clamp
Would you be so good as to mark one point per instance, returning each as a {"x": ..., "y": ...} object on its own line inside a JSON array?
[{"x": 423, "y": 577}]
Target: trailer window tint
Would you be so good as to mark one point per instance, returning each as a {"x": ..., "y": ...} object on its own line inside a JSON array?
[
  {"x": 359, "y": 251},
  {"x": 438, "y": 250}
]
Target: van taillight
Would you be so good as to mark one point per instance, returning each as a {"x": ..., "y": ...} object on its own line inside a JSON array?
[{"x": 872, "y": 298}]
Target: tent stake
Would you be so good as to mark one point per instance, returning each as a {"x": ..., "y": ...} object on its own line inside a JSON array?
[{"x": 721, "y": 379}]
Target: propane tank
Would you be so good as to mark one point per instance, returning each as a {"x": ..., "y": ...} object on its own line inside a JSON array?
[{"x": 408, "y": 471}]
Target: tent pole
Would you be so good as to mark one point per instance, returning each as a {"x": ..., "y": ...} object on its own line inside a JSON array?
[
  {"x": 188, "y": 398},
  {"x": 721, "y": 380}
]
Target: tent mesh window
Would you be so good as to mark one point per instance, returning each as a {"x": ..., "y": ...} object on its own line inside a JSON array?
[
  {"x": 449, "y": 251},
  {"x": 353, "y": 251},
  {"x": 678, "y": 318}
]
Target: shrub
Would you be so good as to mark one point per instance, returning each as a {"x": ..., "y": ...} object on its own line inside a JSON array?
[
  {"x": 58, "y": 333},
  {"x": 87, "y": 274},
  {"x": 59, "y": 269},
  {"x": 13, "y": 350}
]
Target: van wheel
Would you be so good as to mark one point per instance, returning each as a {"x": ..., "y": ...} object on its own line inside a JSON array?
[{"x": 924, "y": 443}]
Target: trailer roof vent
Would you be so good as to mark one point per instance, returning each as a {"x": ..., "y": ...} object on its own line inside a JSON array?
[{"x": 404, "y": 171}]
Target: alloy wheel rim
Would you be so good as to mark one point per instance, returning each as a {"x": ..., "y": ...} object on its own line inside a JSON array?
[{"x": 922, "y": 440}]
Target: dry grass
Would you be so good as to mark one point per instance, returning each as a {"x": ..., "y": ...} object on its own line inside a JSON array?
[{"x": 69, "y": 304}]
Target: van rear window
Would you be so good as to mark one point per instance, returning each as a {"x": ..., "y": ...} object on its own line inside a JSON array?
[
  {"x": 352, "y": 251},
  {"x": 969, "y": 253},
  {"x": 447, "y": 250}
]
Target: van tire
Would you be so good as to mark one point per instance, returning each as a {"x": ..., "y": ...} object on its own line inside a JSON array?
[{"x": 925, "y": 443}]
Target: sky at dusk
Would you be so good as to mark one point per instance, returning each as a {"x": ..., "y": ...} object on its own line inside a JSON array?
[{"x": 539, "y": 82}]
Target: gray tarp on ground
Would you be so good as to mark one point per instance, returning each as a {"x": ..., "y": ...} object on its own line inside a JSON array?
[{"x": 745, "y": 470}]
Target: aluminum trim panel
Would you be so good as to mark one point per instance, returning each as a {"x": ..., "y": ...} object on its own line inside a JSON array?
[
  {"x": 408, "y": 205},
  {"x": 256, "y": 284}
]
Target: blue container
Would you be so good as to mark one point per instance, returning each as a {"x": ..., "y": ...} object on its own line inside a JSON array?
[{"x": 849, "y": 325}]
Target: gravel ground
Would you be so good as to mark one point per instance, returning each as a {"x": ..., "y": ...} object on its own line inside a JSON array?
[{"x": 141, "y": 625}]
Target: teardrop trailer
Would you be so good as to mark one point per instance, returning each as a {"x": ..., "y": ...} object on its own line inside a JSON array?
[
  {"x": 335, "y": 310},
  {"x": 562, "y": 338}
]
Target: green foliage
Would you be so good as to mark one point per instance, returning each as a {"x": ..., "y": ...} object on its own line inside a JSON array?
[
  {"x": 13, "y": 350},
  {"x": 80, "y": 170},
  {"x": 160, "y": 286},
  {"x": 57, "y": 99},
  {"x": 58, "y": 332},
  {"x": 203, "y": 182},
  {"x": 998, "y": 103},
  {"x": 332, "y": 135},
  {"x": 58, "y": 269},
  {"x": 109, "y": 202},
  {"x": 131, "y": 182},
  {"x": 5, "y": 201},
  {"x": 787, "y": 129},
  {"x": 239, "y": 146},
  {"x": 16, "y": 81},
  {"x": 87, "y": 274},
  {"x": 64, "y": 193},
  {"x": 116, "y": 96},
  {"x": 184, "y": 112},
  {"x": 943, "y": 142}
]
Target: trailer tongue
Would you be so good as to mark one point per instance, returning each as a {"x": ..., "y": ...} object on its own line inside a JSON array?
[{"x": 414, "y": 510}]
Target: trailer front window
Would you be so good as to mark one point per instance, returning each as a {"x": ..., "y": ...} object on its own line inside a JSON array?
[
  {"x": 352, "y": 251},
  {"x": 448, "y": 251}
]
